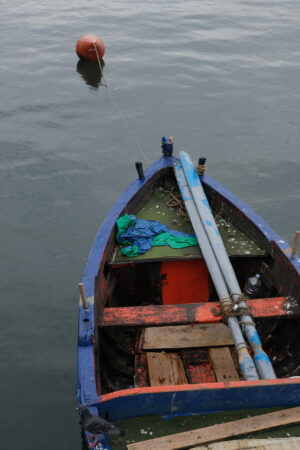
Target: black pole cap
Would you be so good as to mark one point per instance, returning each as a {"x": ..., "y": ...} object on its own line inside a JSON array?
[{"x": 140, "y": 170}]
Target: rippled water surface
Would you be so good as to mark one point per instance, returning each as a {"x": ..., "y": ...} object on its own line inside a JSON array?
[{"x": 222, "y": 77}]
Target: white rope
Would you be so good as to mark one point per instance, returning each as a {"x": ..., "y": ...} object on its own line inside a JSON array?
[{"x": 120, "y": 112}]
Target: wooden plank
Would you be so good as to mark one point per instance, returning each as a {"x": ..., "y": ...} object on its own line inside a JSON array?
[
  {"x": 260, "y": 444},
  {"x": 186, "y": 313},
  {"x": 197, "y": 365},
  {"x": 186, "y": 336},
  {"x": 223, "y": 364},
  {"x": 165, "y": 369},
  {"x": 141, "y": 373},
  {"x": 221, "y": 431}
]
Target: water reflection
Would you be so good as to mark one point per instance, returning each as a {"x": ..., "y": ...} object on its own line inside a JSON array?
[{"x": 90, "y": 72}]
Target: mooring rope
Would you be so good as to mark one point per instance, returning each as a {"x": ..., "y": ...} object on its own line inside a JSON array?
[
  {"x": 200, "y": 169},
  {"x": 120, "y": 112},
  {"x": 232, "y": 309},
  {"x": 175, "y": 199}
]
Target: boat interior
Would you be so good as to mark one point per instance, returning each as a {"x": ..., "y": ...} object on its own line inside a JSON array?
[{"x": 156, "y": 314}]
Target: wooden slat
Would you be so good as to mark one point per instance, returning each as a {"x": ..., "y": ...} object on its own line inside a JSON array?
[
  {"x": 186, "y": 313},
  {"x": 185, "y": 336},
  {"x": 223, "y": 364},
  {"x": 197, "y": 365},
  {"x": 141, "y": 373},
  {"x": 221, "y": 431},
  {"x": 251, "y": 444},
  {"x": 165, "y": 369}
]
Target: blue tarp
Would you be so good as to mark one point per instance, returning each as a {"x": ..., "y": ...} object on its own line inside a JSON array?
[{"x": 142, "y": 235}]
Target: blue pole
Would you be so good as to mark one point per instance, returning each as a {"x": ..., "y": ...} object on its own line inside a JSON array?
[
  {"x": 261, "y": 359},
  {"x": 246, "y": 364}
]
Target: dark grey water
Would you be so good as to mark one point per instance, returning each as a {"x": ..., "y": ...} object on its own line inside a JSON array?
[{"x": 222, "y": 77}]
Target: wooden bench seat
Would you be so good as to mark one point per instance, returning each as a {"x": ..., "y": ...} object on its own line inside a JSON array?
[
  {"x": 187, "y": 336},
  {"x": 155, "y": 315}
]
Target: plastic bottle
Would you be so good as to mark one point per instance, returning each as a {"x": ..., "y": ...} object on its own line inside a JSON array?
[{"x": 252, "y": 287}]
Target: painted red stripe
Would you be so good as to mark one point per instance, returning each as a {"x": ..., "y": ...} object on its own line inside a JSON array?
[{"x": 185, "y": 313}]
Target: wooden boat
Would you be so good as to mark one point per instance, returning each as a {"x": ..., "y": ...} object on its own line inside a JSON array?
[{"x": 139, "y": 350}]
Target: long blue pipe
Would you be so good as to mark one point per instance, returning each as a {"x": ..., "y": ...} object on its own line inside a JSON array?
[
  {"x": 246, "y": 364},
  {"x": 262, "y": 361}
]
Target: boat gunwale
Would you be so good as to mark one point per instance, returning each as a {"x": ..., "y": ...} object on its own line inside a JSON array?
[
  {"x": 198, "y": 387},
  {"x": 181, "y": 400}
]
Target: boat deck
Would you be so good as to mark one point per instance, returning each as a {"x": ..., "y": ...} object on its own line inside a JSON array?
[
  {"x": 205, "y": 355},
  {"x": 235, "y": 241},
  {"x": 179, "y": 344}
]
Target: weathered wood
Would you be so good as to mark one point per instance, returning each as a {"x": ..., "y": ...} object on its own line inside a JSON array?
[
  {"x": 83, "y": 296},
  {"x": 251, "y": 444},
  {"x": 185, "y": 336},
  {"x": 212, "y": 433},
  {"x": 285, "y": 277},
  {"x": 223, "y": 364},
  {"x": 198, "y": 367},
  {"x": 141, "y": 372},
  {"x": 185, "y": 313},
  {"x": 165, "y": 369},
  {"x": 295, "y": 244}
]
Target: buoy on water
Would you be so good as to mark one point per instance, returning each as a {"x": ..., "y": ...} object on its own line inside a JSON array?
[{"x": 85, "y": 47}]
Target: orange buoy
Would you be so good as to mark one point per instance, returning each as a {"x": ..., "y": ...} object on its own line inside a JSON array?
[{"x": 85, "y": 47}]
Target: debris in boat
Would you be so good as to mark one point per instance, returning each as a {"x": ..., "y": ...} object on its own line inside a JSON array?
[
  {"x": 221, "y": 431},
  {"x": 175, "y": 201},
  {"x": 253, "y": 286},
  {"x": 96, "y": 425},
  {"x": 145, "y": 234}
]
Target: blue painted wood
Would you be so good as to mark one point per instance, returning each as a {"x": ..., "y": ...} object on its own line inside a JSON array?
[
  {"x": 200, "y": 401},
  {"x": 85, "y": 325},
  {"x": 86, "y": 386}
]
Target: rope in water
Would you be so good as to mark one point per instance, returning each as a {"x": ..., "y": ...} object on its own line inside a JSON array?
[{"x": 130, "y": 132}]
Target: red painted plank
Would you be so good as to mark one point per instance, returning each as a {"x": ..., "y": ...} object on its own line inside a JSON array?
[
  {"x": 268, "y": 307},
  {"x": 141, "y": 377},
  {"x": 198, "y": 366},
  {"x": 185, "y": 314}
]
